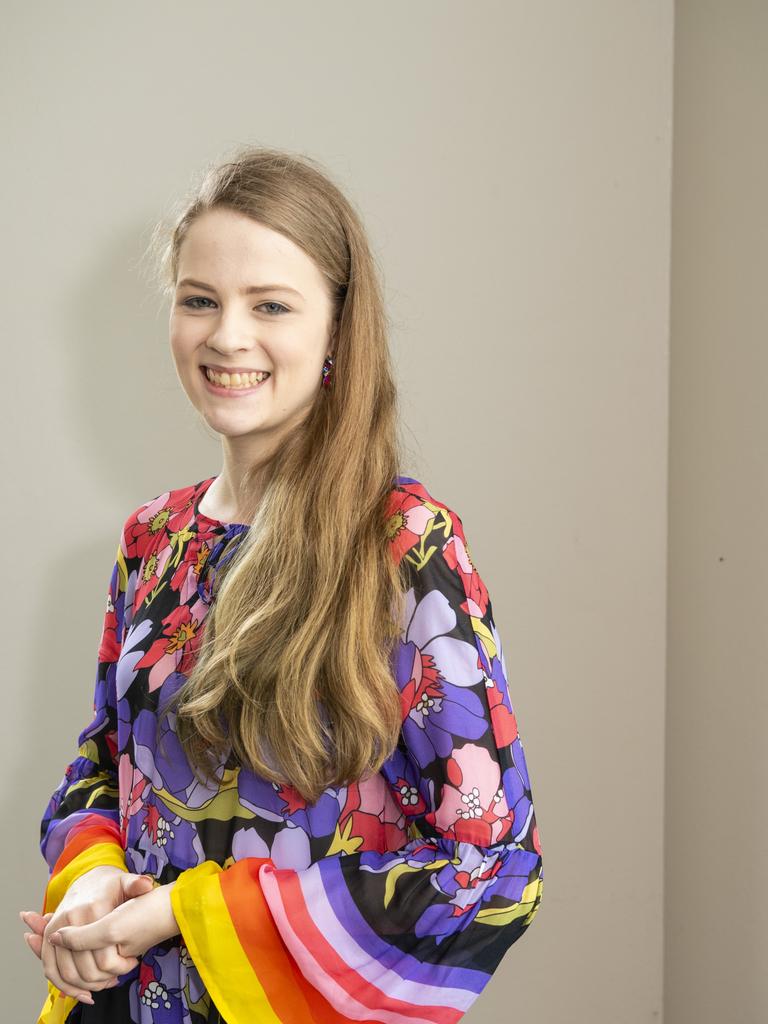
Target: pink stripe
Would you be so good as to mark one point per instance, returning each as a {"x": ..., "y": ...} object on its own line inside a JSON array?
[
  {"x": 338, "y": 997},
  {"x": 367, "y": 967}
]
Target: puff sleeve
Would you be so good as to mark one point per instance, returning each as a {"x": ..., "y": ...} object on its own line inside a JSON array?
[
  {"x": 80, "y": 826},
  {"x": 412, "y": 934}
]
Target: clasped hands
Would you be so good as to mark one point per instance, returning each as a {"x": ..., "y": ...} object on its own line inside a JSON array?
[{"x": 105, "y": 921}]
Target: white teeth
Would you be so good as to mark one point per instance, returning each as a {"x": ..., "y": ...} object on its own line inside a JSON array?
[{"x": 235, "y": 380}]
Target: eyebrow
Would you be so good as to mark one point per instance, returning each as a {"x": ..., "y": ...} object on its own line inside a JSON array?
[{"x": 254, "y": 289}]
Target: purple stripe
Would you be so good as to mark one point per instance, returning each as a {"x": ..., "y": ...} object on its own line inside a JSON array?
[
  {"x": 372, "y": 969},
  {"x": 404, "y": 964}
]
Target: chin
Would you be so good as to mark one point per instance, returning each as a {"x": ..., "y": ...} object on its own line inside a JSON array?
[{"x": 235, "y": 428}]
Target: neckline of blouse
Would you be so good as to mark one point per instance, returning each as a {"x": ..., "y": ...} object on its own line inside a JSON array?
[{"x": 202, "y": 487}]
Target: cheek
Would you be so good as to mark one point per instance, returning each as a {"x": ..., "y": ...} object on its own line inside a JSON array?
[
  {"x": 182, "y": 345},
  {"x": 305, "y": 367},
  {"x": 302, "y": 381}
]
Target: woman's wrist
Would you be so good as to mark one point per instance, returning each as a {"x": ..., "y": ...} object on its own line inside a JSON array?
[{"x": 171, "y": 924}]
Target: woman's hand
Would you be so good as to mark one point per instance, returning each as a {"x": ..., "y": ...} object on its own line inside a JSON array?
[
  {"x": 90, "y": 897},
  {"x": 133, "y": 927}
]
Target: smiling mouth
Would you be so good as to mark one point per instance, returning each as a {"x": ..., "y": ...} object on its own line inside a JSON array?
[{"x": 234, "y": 381}]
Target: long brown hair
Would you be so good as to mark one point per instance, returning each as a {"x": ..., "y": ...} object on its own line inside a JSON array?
[{"x": 294, "y": 675}]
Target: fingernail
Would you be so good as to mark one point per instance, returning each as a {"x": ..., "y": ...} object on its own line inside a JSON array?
[{"x": 54, "y": 938}]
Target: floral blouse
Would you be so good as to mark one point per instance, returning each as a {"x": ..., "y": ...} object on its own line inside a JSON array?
[{"x": 392, "y": 899}]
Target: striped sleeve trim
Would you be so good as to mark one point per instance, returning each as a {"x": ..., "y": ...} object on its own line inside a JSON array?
[
  {"x": 93, "y": 842},
  {"x": 232, "y": 939},
  {"x": 360, "y": 985},
  {"x": 269, "y": 946}
]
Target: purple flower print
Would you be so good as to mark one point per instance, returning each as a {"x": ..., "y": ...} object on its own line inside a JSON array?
[{"x": 434, "y": 672}]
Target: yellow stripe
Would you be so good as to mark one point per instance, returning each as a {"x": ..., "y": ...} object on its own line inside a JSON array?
[
  {"x": 91, "y": 857},
  {"x": 56, "y": 1006},
  {"x": 206, "y": 927}
]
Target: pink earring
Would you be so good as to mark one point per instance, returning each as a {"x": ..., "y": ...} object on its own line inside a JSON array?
[{"x": 327, "y": 372}]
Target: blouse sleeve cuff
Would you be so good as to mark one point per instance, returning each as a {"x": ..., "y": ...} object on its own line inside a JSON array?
[
  {"x": 93, "y": 843},
  {"x": 232, "y": 938}
]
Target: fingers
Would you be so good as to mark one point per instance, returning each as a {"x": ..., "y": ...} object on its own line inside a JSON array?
[
  {"x": 51, "y": 971},
  {"x": 80, "y": 968},
  {"x": 92, "y": 968},
  {"x": 35, "y": 921},
  {"x": 35, "y": 943},
  {"x": 98, "y": 962},
  {"x": 137, "y": 885},
  {"x": 111, "y": 960}
]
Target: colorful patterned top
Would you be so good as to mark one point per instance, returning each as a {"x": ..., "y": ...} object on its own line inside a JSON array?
[{"x": 393, "y": 899}]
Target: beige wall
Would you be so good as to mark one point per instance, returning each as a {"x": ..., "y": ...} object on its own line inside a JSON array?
[
  {"x": 716, "y": 825},
  {"x": 514, "y": 165}
]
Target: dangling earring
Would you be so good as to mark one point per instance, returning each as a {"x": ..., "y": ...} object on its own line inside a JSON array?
[{"x": 327, "y": 372}]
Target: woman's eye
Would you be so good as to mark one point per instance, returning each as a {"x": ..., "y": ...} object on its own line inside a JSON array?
[{"x": 191, "y": 302}]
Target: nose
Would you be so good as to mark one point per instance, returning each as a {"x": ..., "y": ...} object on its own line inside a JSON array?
[
  {"x": 229, "y": 341},
  {"x": 230, "y": 333}
]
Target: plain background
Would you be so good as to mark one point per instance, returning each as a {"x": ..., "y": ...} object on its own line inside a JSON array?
[{"x": 567, "y": 201}]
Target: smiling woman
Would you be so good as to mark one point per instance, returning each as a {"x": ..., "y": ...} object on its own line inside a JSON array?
[
  {"x": 227, "y": 331},
  {"x": 303, "y": 733}
]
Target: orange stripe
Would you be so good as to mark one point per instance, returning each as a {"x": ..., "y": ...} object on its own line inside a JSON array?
[
  {"x": 268, "y": 955},
  {"x": 206, "y": 926},
  {"x": 90, "y": 830}
]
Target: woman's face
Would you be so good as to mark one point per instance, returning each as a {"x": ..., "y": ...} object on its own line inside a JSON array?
[{"x": 248, "y": 299}]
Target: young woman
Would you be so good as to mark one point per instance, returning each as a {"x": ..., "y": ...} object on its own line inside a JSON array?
[{"x": 303, "y": 795}]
